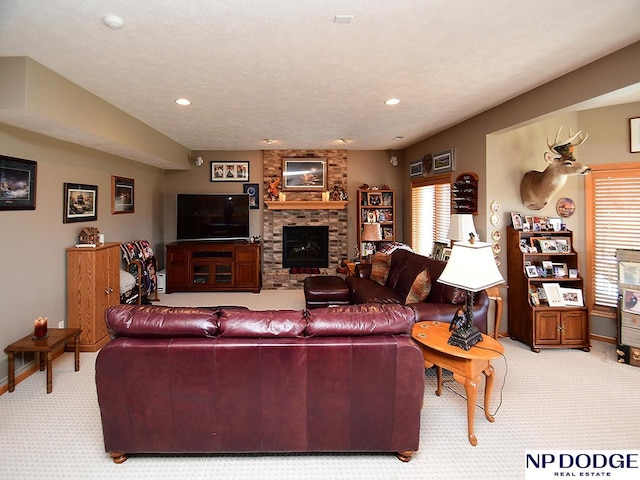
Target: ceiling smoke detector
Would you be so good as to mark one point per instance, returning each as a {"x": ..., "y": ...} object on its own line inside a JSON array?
[{"x": 113, "y": 22}]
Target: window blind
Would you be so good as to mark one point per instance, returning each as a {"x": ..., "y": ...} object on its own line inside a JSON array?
[
  {"x": 430, "y": 213},
  {"x": 613, "y": 222}
]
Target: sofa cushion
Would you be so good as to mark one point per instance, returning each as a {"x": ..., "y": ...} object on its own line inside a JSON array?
[
  {"x": 157, "y": 321},
  {"x": 380, "y": 268},
  {"x": 420, "y": 288},
  {"x": 359, "y": 320},
  {"x": 264, "y": 324},
  {"x": 365, "y": 290}
]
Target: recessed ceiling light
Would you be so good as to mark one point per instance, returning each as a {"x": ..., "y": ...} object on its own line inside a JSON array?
[
  {"x": 392, "y": 101},
  {"x": 345, "y": 140},
  {"x": 343, "y": 19},
  {"x": 268, "y": 141},
  {"x": 113, "y": 22},
  {"x": 183, "y": 101},
  {"x": 397, "y": 139}
]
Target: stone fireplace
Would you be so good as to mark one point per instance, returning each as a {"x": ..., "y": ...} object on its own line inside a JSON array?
[{"x": 302, "y": 209}]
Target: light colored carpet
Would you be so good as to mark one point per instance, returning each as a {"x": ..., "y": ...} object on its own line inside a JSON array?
[{"x": 556, "y": 399}]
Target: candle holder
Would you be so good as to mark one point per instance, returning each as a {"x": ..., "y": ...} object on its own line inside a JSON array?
[{"x": 40, "y": 328}]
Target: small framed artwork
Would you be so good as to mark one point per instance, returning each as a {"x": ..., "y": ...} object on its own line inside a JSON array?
[
  {"x": 438, "y": 250},
  {"x": 629, "y": 273},
  {"x": 531, "y": 271},
  {"x": 572, "y": 297},
  {"x": 563, "y": 244},
  {"x": 17, "y": 183},
  {"x": 375, "y": 199},
  {"x": 122, "y": 191},
  {"x": 415, "y": 169},
  {"x": 548, "y": 246},
  {"x": 252, "y": 190},
  {"x": 631, "y": 301},
  {"x": 304, "y": 174},
  {"x": 443, "y": 161},
  {"x": 559, "y": 269},
  {"x": 634, "y": 130},
  {"x": 80, "y": 203},
  {"x": 573, "y": 273},
  {"x": 229, "y": 171},
  {"x": 516, "y": 220},
  {"x": 553, "y": 294}
]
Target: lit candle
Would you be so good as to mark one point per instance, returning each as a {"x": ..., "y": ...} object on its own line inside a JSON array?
[
  {"x": 325, "y": 196},
  {"x": 282, "y": 197},
  {"x": 40, "y": 327}
]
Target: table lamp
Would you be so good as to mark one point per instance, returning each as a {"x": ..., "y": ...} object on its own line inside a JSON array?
[
  {"x": 371, "y": 233},
  {"x": 461, "y": 226},
  {"x": 471, "y": 267}
]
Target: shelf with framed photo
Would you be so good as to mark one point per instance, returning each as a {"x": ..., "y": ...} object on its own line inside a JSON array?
[
  {"x": 376, "y": 206},
  {"x": 546, "y": 307}
]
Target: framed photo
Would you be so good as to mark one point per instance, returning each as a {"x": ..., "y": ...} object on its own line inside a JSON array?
[
  {"x": 572, "y": 297},
  {"x": 631, "y": 301},
  {"x": 252, "y": 190},
  {"x": 634, "y": 131},
  {"x": 415, "y": 169},
  {"x": 229, "y": 171},
  {"x": 304, "y": 174},
  {"x": 629, "y": 273},
  {"x": 560, "y": 269},
  {"x": 516, "y": 220},
  {"x": 548, "y": 245},
  {"x": 553, "y": 294},
  {"x": 375, "y": 199},
  {"x": 122, "y": 192},
  {"x": 438, "y": 250},
  {"x": 80, "y": 203},
  {"x": 535, "y": 300},
  {"x": 17, "y": 183},
  {"x": 573, "y": 273},
  {"x": 446, "y": 254},
  {"x": 443, "y": 161},
  {"x": 563, "y": 244},
  {"x": 531, "y": 271}
]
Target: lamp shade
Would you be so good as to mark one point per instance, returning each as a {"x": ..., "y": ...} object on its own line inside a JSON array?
[
  {"x": 461, "y": 226},
  {"x": 471, "y": 267},
  {"x": 372, "y": 232}
]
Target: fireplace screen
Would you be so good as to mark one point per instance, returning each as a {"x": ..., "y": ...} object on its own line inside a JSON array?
[{"x": 305, "y": 246}]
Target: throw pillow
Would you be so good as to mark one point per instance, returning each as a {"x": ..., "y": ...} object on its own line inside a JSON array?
[
  {"x": 380, "y": 268},
  {"x": 420, "y": 288}
]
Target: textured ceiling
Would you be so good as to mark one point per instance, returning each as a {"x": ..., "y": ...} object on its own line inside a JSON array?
[{"x": 283, "y": 69}]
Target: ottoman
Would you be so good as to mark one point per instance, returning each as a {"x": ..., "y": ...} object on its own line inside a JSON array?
[{"x": 325, "y": 291}]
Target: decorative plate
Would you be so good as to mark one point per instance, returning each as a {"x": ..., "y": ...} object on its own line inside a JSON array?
[
  {"x": 427, "y": 163},
  {"x": 495, "y": 220},
  {"x": 496, "y": 235},
  {"x": 497, "y": 248},
  {"x": 565, "y": 207},
  {"x": 495, "y": 206}
]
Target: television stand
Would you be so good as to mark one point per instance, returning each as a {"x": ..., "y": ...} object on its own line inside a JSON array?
[{"x": 219, "y": 266}]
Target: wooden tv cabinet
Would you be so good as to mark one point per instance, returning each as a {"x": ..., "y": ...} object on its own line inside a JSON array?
[{"x": 232, "y": 266}]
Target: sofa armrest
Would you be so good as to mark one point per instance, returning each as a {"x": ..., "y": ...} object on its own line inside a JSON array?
[{"x": 443, "y": 312}]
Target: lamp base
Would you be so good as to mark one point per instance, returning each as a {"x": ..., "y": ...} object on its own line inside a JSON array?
[{"x": 465, "y": 337}]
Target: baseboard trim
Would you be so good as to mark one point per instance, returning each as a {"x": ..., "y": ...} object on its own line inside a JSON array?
[{"x": 602, "y": 338}]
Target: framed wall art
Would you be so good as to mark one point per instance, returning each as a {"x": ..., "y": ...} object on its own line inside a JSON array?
[
  {"x": 122, "y": 195},
  {"x": 17, "y": 183},
  {"x": 80, "y": 203},
  {"x": 416, "y": 169},
  {"x": 443, "y": 161},
  {"x": 229, "y": 171},
  {"x": 252, "y": 190},
  {"x": 634, "y": 127},
  {"x": 304, "y": 174}
]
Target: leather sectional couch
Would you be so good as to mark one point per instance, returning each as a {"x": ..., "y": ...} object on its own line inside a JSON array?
[
  {"x": 442, "y": 301},
  {"x": 232, "y": 380}
]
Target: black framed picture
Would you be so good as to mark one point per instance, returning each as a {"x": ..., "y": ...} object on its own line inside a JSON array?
[
  {"x": 229, "y": 171},
  {"x": 304, "y": 174},
  {"x": 80, "y": 203},
  {"x": 253, "y": 191},
  {"x": 122, "y": 195},
  {"x": 443, "y": 161},
  {"x": 17, "y": 183}
]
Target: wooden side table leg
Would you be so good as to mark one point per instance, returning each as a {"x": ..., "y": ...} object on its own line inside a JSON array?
[
  {"x": 49, "y": 373},
  {"x": 471, "y": 388},
  {"x": 41, "y": 361},
  {"x": 439, "y": 375},
  {"x": 496, "y": 327},
  {"x": 488, "y": 372},
  {"x": 77, "y": 351},
  {"x": 12, "y": 373}
]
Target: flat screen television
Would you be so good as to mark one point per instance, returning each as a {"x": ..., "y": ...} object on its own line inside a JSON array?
[{"x": 212, "y": 216}]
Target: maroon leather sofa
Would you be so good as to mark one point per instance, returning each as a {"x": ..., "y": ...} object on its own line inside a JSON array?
[
  {"x": 442, "y": 302},
  {"x": 231, "y": 380}
]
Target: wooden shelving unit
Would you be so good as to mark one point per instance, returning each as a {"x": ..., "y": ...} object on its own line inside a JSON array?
[{"x": 377, "y": 206}]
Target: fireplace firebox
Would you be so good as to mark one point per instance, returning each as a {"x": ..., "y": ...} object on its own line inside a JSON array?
[{"x": 305, "y": 246}]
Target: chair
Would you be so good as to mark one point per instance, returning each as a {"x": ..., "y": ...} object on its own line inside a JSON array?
[{"x": 141, "y": 262}]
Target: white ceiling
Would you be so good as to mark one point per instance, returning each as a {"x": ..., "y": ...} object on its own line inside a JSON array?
[{"x": 283, "y": 69}]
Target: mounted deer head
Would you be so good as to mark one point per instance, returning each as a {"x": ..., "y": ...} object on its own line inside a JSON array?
[{"x": 537, "y": 188}]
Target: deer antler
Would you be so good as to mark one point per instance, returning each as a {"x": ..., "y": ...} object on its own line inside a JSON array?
[{"x": 557, "y": 142}]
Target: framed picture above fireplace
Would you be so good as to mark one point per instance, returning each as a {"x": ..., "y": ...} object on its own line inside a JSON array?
[{"x": 304, "y": 174}]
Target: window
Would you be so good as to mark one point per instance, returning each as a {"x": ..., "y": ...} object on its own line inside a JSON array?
[
  {"x": 430, "y": 212},
  {"x": 613, "y": 222}
]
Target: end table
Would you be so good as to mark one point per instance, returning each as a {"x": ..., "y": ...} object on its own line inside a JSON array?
[{"x": 56, "y": 338}]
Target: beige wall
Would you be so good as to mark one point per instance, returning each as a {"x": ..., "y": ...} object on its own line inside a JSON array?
[
  {"x": 33, "y": 242},
  {"x": 504, "y": 142}
]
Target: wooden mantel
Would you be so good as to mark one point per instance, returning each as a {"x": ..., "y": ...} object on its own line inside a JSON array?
[{"x": 306, "y": 205}]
